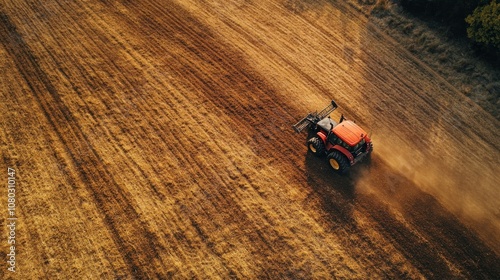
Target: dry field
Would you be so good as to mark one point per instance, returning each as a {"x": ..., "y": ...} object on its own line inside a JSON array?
[{"x": 153, "y": 139}]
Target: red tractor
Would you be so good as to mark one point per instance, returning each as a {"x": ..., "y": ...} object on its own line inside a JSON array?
[{"x": 344, "y": 143}]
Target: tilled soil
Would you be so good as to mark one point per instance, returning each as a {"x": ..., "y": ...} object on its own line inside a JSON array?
[{"x": 154, "y": 140}]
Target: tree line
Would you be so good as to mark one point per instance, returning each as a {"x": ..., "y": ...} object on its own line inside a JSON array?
[{"x": 478, "y": 19}]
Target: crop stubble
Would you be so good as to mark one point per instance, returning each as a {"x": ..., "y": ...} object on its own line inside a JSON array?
[{"x": 154, "y": 140}]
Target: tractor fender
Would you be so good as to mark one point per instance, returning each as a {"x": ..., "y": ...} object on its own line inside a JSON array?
[
  {"x": 345, "y": 152},
  {"x": 322, "y": 136}
]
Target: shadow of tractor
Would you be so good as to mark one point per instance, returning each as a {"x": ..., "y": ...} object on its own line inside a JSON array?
[{"x": 335, "y": 192}]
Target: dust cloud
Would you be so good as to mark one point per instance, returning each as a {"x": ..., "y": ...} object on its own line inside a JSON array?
[{"x": 469, "y": 193}]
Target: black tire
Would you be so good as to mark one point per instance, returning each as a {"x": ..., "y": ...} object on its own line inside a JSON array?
[
  {"x": 316, "y": 146},
  {"x": 338, "y": 162}
]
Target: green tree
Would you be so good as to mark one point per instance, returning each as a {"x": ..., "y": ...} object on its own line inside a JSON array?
[{"x": 484, "y": 25}]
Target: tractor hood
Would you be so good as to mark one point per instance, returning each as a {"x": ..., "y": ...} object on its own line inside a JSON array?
[{"x": 349, "y": 132}]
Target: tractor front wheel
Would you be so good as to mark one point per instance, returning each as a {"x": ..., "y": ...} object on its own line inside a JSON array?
[
  {"x": 338, "y": 162},
  {"x": 316, "y": 146}
]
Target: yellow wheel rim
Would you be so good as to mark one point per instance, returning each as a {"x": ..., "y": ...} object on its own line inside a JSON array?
[
  {"x": 334, "y": 163},
  {"x": 313, "y": 149}
]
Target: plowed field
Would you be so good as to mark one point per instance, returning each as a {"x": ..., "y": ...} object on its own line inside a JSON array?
[{"x": 153, "y": 139}]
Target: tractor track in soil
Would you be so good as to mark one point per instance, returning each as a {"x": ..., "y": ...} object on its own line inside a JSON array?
[{"x": 149, "y": 142}]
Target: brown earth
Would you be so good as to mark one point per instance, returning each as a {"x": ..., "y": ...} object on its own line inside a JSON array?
[{"x": 154, "y": 140}]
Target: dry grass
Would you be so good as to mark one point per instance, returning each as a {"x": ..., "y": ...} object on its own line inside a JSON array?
[
  {"x": 155, "y": 142},
  {"x": 451, "y": 57},
  {"x": 383, "y": 5}
]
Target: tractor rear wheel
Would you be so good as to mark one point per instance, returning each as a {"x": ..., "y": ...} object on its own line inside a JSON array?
[
  {"x": 316, "y": 146},
  {"x": 338, "y": 162}
]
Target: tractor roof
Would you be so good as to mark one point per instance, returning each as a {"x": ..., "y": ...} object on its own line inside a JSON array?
[{"x": 349, "y": 132}]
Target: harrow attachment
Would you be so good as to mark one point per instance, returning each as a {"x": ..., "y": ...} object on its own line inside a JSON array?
[{"x": 313, "y": 118}]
